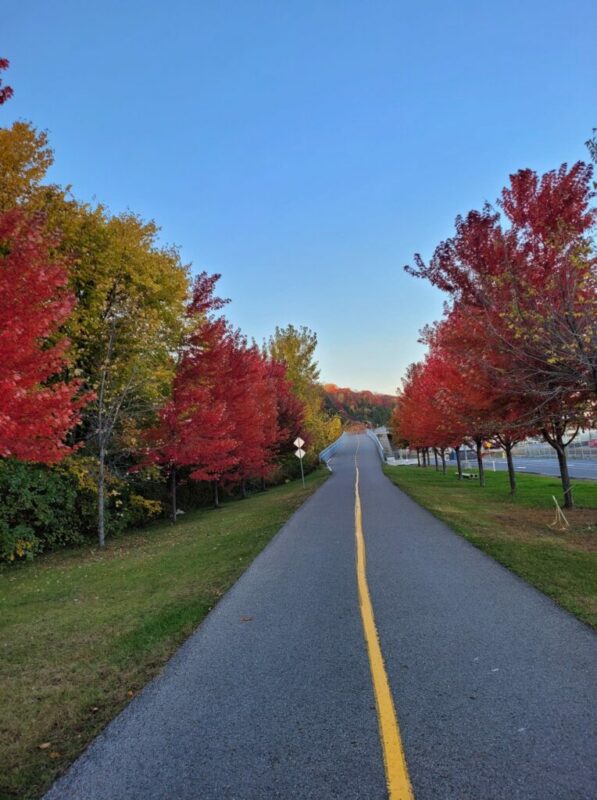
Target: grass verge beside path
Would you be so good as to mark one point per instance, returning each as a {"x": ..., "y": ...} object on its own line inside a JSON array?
[
  {"x": 82, "y": 631},
  {"x": 516, "y": 532}
]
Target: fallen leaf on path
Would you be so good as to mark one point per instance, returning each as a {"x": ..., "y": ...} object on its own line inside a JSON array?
[{"x": 246, "y": 619}]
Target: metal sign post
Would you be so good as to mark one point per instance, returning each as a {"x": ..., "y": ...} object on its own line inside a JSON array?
[{"x": 300, "y": 453}]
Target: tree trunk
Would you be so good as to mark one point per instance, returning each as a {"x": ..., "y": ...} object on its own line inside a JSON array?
[
  {"x": 435, "y": 457},
  {"x": 511, "y": 472},
  {"x": 442, "y": 455},
  {"x": 216, "y": 495},
  {"x": 101, "y": 500},
  {"x": 479, "y": 444},
  {"x": 243, "y": 489},
  {"x": 418, "y": 457},
  {"x": 173, "y": 491},
  {"x": 557, "y": 442},
  {"x": 564, "y": 474},
  {"x": 263, "y": 484},
  {"x": 458, "y": 462}
]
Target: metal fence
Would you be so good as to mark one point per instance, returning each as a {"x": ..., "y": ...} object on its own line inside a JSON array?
[{"x": 575, "y": 450}]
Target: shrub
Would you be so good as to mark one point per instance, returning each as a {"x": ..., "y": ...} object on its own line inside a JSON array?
[
  {"x": 38, "y": 510},
  {"x": 140, "y": 510},
  {"x": 45, "y": 508},
  {"x": 17, "y": 543},
  {"x": 124, "y": 507}
]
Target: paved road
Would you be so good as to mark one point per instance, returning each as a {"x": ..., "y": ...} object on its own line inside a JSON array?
[
  {"x": 549, "y": 466},
  {"x": 493, "y": 684}
]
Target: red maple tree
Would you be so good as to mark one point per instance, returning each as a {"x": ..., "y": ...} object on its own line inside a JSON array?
[
  {"x": 37, "y": 408},
  {"x": 529, "y": 288},
  {"x": 252, "y": 411},
  {"x": 194, "y": 430},
  {"x": 478, "y": 386},
  {"x": 449, "y": 399},
  {"x": 231, "y": 412},
  {"x": 426, "y": 414},
  {"x": 290, "y": 411}
]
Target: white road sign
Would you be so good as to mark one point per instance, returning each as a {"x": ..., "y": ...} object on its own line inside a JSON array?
[{"x": 300, "y": 453}]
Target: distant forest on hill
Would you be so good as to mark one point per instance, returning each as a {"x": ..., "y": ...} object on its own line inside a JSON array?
[{"x": 368, "y": 407}]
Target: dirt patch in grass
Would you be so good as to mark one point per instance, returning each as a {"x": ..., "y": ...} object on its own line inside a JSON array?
[
  {"x": 82, "y": 631},
  {"x": 532, "y": 524}
]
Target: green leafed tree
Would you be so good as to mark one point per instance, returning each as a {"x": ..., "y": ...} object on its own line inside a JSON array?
[{"x": 126, "y": 329}]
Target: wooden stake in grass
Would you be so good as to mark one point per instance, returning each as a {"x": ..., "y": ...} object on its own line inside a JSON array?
[{"x": 560, "y": 522}]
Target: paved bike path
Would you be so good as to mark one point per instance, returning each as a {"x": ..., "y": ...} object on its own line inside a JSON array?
[{"x": 493, "y": 684}]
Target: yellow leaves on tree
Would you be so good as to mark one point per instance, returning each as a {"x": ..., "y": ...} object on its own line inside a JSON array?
[{"x": 295, "y": 347}]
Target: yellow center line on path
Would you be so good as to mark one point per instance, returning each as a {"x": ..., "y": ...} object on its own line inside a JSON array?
[{"x": 399, "y": 787}]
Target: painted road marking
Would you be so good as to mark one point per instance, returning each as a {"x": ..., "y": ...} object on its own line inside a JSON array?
[{"x": 399, "y": 787}]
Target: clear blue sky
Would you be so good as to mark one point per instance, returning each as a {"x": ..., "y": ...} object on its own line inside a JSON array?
[{"x": 306, "y": 149}]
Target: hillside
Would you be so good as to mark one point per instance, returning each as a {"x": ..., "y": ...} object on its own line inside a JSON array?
[{"x": 365, "y": 406}]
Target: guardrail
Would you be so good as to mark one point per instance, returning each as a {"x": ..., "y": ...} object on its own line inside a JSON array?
[
  {"x": 380, "y": 449},
  {"x": 329, "y": 451}
]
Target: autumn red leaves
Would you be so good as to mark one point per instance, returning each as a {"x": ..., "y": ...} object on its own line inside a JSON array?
[
  {"x": 356, "y": 407},
  {"x": 35, "y": 412},
  {"x": 36, "y": 408},
  {"x": 232, "y": 411},
  {"x": 516, "y": 351},
  {"x": 111, "y": 356},
  {"x": 5, "y": 91}
]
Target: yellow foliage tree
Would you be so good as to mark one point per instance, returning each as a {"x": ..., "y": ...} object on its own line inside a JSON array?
[
  {"x": 295, "y": 347},
  {"x": 131, "y": 294},
  {"x": 25, "y": 157}
]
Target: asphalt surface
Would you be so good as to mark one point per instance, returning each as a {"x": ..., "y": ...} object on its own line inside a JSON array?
[
  {"x": 578, "y": 468},
  {"x": 494, "y": 685}
]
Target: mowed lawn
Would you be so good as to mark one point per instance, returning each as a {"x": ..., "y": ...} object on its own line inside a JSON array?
[
  {"x": 515, "y": 531},
  {"x": 82, "y": 631}
]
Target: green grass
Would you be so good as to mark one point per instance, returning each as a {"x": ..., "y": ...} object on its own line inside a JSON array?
[
  {"x": 516, "y": 532},
  {"x": 82, "y": 631}
]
